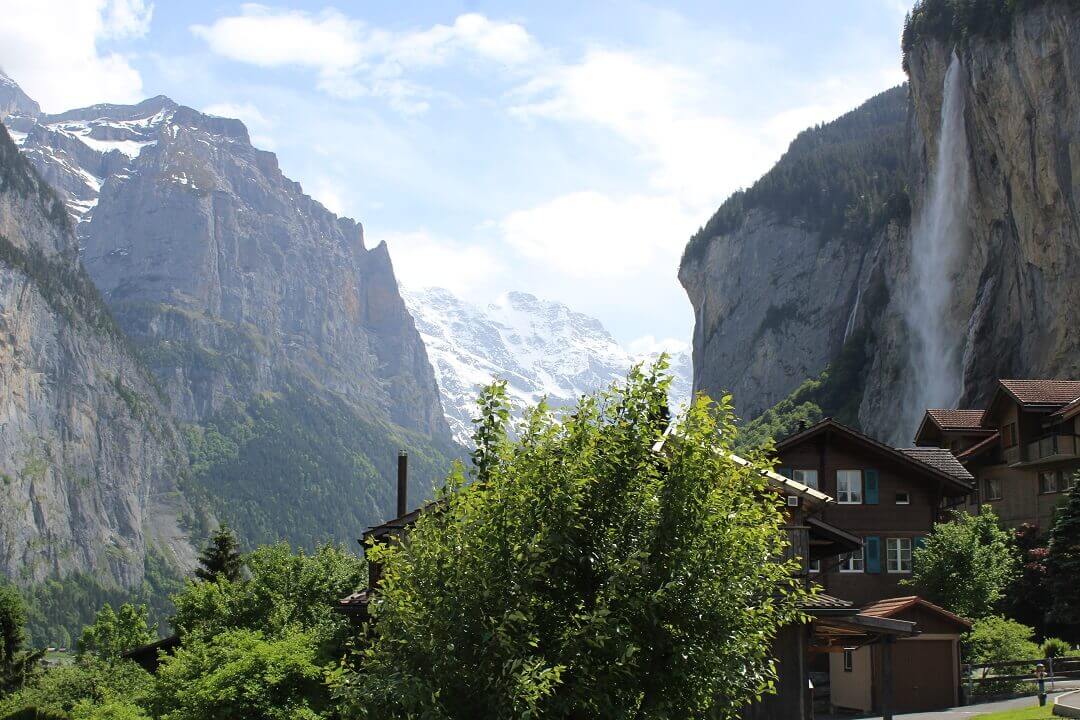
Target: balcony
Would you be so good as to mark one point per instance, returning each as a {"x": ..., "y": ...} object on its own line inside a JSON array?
[{"x": 1050, "y": 448}]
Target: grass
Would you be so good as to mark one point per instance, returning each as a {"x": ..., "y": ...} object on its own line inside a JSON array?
[{"x": 1032, "y": 713}]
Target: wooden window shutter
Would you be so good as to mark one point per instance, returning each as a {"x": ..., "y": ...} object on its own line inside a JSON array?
[
  {"x": 872, "y": 552},
  {"x": 870, "y": 489}
]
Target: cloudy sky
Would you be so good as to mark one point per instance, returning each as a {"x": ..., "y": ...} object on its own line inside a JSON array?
[{"x": 567, "y": 149}]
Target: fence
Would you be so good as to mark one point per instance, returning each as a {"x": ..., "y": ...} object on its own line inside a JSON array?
[{"x": 1009, "y": 676}]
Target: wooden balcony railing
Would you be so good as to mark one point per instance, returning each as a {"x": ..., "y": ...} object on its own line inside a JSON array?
[{"x": 1052, "y": 446}]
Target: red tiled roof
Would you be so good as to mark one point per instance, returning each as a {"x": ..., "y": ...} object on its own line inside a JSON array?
[
  {"x": 1070, "y": 409},
  {"x": 979, "y": 447},
  {"x": 1043, "y": 392},
  {"x": 956, "y": 419},
  {"x": 892, "y": 606},
  {"x": 941, "y": 459}
]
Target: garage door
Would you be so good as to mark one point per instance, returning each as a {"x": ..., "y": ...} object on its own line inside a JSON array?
[{"x": 924, "y": 675}]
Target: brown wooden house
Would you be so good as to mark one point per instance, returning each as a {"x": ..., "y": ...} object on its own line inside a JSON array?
[
  {"x": 888, "y": 497},
  {"x": 1023, "y": 449}
]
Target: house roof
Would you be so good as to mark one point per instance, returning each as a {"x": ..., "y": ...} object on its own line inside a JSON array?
[
  {"x": 956, "y": 419},
  {"x": 893, "y": 606},
  {"x": 1042, "y": 392},
  {"x": 940, "y": 458},
  {"x": 821, "y": 601},
  {"x": 979, "y": 447},
  {"x": 1068, "y": 411},
  {"x": 957, "y": 480}
]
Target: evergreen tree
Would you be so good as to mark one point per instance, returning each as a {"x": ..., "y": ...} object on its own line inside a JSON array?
[
  {"x": 221, "y": 559},
  {"x": 15, "y": 661},
  {"x": 1063, "y": 566}
]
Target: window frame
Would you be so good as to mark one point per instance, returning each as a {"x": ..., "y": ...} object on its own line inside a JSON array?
[
  {"x": 795, "y": 476},
  {"x": 988, "y": 484},
  {"x": 848, "y": 493},
  {"x": 907, "y": 497},
  {"x": 849, "y": 558},
  {"x": 849, "y": 660},
  {"x": 814, "y": 566},
  {"x": 897, "y": 544},
  {"x": 1008, "y": 435},
  {"x": 1058, "y": 478}
]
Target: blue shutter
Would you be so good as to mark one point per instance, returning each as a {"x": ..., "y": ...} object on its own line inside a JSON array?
[
  {"x": 872, "y": 554},
  {"x": 870, "y": 487}
]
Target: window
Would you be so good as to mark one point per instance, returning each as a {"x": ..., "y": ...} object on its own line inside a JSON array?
[
  {"x": 849, "y": 659},
  {"x": 1050, "y": 481},
  {"x": 815, "y": 566},
  {"x": 899, "y": 555},
  {"x": 1008, "y": 435},
  {"x": 806, "y": 477},
  {"x": 903, "y": 497},
  {"x": 849, "y": 487},
  {"x": 852, "y": 562},
  {"x": 992, "y": 489}
]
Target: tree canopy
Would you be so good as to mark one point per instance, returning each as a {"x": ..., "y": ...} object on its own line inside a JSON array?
[
  {"x": 114, "y": 632},
  {"x": 966, "y": 564},
  {"x": 584, "y": 573},
  {"x": 1062, "y": 583}
]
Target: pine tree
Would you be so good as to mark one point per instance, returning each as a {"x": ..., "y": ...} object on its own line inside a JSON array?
[
  {"x": 1063, "y": 565},
  {"x": 221, "y": 559}
]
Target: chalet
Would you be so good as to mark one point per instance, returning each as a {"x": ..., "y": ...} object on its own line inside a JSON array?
[
  {"x": 888, "y": 497},
  {"x": 1023, "y": 449}
]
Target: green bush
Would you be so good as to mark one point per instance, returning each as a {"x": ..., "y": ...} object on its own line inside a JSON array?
[
  {"x": 997, "y": 639},
  {"x": 1055, "y": 648}
]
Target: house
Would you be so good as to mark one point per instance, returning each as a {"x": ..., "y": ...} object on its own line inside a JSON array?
[
  {"x": 888, "y": 497},
  {"x": 926, "y": 666},
  {"x": 1023, "y": 448}
]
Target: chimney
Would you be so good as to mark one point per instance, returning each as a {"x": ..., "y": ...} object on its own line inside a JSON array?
[{"x": 402, "y": 482}]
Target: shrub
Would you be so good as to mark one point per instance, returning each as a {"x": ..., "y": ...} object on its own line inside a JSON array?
[{"x": 1055, "y": 648}]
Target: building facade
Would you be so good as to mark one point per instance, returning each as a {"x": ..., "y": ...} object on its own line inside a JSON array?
[
  {"x": 1023, "y": 448},
  {"x": 888, "y": 497}
]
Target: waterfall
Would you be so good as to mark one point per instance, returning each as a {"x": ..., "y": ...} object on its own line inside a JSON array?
[{"x": 938, "y": 238}]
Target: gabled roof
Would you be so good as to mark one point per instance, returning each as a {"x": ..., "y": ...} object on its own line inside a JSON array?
[
  {"x": 894, "y": 606},
  {"x": 940, "y": 458},
  {"x": 1070, "y": 410},
  {"x": 958, "y": 481},
  {"x": 979, "y": 448},
  {"x": 1042, "y": 392},
  {"x": 956, "y": 419}
]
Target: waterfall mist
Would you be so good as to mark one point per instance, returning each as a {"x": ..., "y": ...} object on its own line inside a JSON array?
[{"x": 938, "y": 237}]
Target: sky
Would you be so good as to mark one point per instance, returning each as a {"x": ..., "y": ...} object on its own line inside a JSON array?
[{"x": 568, "y": 149}]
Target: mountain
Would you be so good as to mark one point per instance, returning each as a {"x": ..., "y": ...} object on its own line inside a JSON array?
[
  {"x": 92, "y": 466},
  {"x": 541, "y": 348},
  {"x": 912, "y": 251},
  {"x": 273, "y": 341}
]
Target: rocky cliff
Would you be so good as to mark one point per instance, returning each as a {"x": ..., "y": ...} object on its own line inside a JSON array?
[
  {"x": 1016, "y": 278},
  {"x": 90, "y": 462}
]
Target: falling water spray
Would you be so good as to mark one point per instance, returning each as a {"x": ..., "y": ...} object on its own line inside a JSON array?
[{"x": 938, "y": 238}]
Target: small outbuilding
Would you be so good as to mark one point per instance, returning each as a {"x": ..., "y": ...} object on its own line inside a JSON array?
[{"x": 925, "y": 668}]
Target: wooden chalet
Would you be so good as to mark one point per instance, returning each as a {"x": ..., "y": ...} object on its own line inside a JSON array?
[{"x": 1023, "y": 448}]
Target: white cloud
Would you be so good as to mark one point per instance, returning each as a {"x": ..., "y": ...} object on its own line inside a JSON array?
[
  {"x": 648, "y": 345},
  {"x": 424, "y": 260},
  {"x": 51, "y": 48},
  {"x": 328, "y": 193},
  {"x": 354, "y": 60},
  {"x": 591, "y": 234}
]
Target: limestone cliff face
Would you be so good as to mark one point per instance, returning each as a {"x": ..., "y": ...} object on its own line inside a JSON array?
[
  {"x": 89, "y": 461},
  {"x": 1013, "y": 293}
]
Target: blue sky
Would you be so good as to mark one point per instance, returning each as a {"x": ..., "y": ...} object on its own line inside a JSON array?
[{"x": 567, "y": 149}]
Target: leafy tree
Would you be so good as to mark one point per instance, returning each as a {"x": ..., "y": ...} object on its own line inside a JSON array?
[
  {"x": 87, "y": 684},
  {"x": 996, "y": 639},
  {"x": 110, "y": 710},
  {"x": 583, "y": 573},
  {"x": 283, "y": 590},
  {"x": 15, "y": 661},
  {"x": 1027, "y": 598},
  {"x": 1063, "y": 566},
  {"x": 242, "y": 674},
  {"x": 966, "y": 564},
  {"x": 112, "y": 633},
  {"x": 221, "y": 558}
]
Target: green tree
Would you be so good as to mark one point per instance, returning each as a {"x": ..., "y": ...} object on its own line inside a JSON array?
[
  {"x": 283, "y": 590},
  {"x": 88, "y": 684},
  {"x": 996, "y": 639},
  {"x": 221, "y": 558},
  {"x": 16, "y": 663},
  {"x": 1063, "y": 567},
  {"x": 242, "y": 674},
  {"x": 114, "y": 632},
  {"x": 584, "y": 573},
  {"x": 966, "y": 564}
]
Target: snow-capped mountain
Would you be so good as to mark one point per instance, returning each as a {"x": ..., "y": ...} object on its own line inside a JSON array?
[{"x": 541, "y": 348}]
